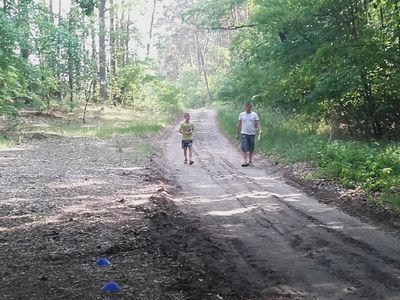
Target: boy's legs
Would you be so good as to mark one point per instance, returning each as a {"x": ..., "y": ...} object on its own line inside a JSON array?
[
  {"x": 187, "y": 147},
  {"x": 185, "y": 154},
  {"x": 190, "y": 153},
  {"x": 190, "y": 147},
  {"x": 184, "y": 147}
]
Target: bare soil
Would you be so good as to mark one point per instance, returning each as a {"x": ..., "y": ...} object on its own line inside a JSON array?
[{"x": 171, "y": 231}]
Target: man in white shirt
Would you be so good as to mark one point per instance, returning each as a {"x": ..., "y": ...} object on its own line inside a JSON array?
[{"x": 248, "y": 124}]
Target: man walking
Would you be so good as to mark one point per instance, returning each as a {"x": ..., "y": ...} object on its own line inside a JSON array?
[{"x": 248, "y": 124}]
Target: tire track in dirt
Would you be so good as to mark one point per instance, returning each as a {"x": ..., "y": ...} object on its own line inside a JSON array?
[
  {"x": 229, "y": 167},
  {"x": 281, "y": 241}
]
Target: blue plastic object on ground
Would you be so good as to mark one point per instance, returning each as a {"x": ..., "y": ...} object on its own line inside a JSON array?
[
  {"x": 103, "y": 262},
  {"x": 111, "y": 287}
]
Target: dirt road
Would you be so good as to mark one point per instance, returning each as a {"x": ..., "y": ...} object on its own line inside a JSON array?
[{"x": 273, "y": 241}]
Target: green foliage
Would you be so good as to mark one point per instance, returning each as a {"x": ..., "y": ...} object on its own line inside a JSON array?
[
  {"x": 372, "y": 166},
  {"x": 334, "y": 61},
  {"x": 87, "y": 6},
  {"x": 192, "y": 88},
  {"x": 127, "y": 86},
  {"x": 137, "y": 86},
  {"x": 210, "y": 13},
  {"x": 166, "y": 97},
  {"x": 38, "y": 56},
  {"x": 5, "y": 142}
]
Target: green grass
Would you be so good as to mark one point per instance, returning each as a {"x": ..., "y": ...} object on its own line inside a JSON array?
[
  {"x": 106, "y": 129},
  {"x": 107, "y": 121},
  {"x": 374, "y": 167},
  {"x": 5, "y": 142},
  {"x": 141, "y": 152}
]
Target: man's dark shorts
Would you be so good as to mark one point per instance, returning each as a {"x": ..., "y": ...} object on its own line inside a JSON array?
[
  {"x": 187, "y": 144},
  {"x": 248, "y": 142}
]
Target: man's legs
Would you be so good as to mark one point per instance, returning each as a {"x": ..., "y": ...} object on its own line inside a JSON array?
[
  {"x": 247, "y": 148},
  {"x": 251, "y": 141},
  {"x": 245, "y": 156}
]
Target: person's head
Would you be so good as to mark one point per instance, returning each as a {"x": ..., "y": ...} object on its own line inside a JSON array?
[
  {"x": 248, "y": 107},
  {"x": 186, "y": 116}
]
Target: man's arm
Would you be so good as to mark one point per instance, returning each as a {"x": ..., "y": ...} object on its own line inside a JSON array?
[{"x": 238, "y": 128}]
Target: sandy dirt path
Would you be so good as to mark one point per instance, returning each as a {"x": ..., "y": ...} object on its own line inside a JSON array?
[{"x": 278, "y": 242}]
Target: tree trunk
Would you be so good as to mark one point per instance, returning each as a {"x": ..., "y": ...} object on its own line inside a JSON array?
[
  {"x": 23, "y": 13},
  {"x": 51, "y": 11},
  {"x": 94, "y": 60},
  {"x": 151, "y": 26},
  {"x": 128, "y": 36},
  {"x": 71, "y": 59},
  {"x": 203, "y": 69},
  {"x": 397, "y": 11},
  {"x": 102, "y": 51},
  {"x": 121, "y": 41},
  {"x": 5, "y": 6},
  {"x": 113, "y": 61},
  {"x": 198, "y": 51},
  {"x": 58, "y": 73}
]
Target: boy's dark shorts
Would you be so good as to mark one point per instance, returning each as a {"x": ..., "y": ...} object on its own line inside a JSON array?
[
  {"x": 248, "y": 142},
  {"x": 187, "y": 144}
]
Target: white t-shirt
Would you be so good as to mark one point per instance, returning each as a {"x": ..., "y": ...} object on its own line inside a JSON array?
[{"x": 248, "y": 122}]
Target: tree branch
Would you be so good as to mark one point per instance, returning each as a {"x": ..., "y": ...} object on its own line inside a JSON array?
[{"x": 230, "y": 27}]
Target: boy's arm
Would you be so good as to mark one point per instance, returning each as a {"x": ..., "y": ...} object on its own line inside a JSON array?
[{"x": 183, "y": 132}]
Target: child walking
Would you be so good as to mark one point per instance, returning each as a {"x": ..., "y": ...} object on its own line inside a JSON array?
[{"x": 186, "y": 129}]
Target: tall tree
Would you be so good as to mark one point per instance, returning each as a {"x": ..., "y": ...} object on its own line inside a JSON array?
[
  {"x": 113, "y": 61},
  {"x": 71, "y": 79},
  {"x": 203, "y": 67},
  {"x": 151, "y": 26},
  {"x": 102, "y": 51}
]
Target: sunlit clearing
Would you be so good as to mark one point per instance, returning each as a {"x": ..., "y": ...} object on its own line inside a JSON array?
[
  {"x": 231, "y": 212},
  {"x": 326, "y": 226},
  {"x": 11, "y": 149},
  {"x": 289, "y": 198},
  {"x": 255, "y": 194}
]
